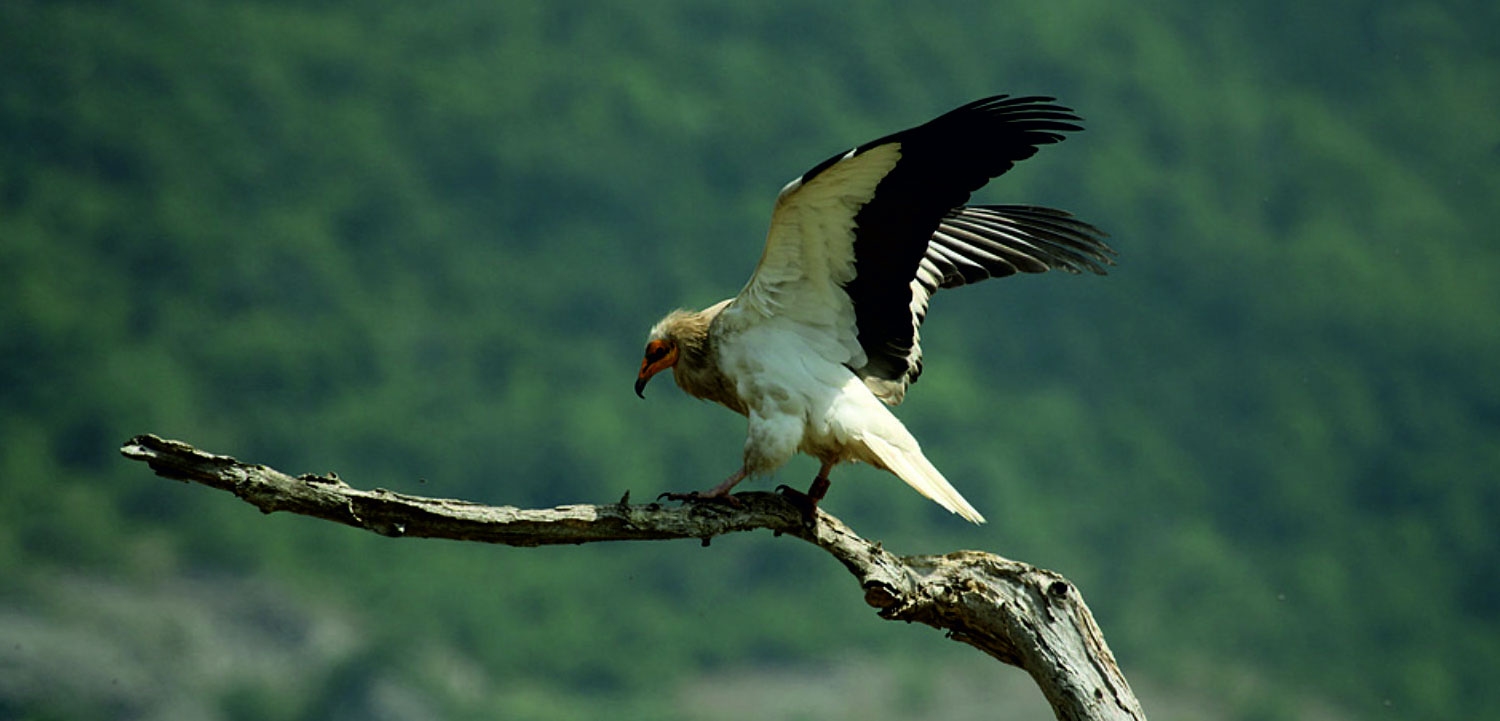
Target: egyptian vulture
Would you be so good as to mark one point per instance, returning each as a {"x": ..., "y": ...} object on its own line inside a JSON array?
[{"x": 824, "y": 336}]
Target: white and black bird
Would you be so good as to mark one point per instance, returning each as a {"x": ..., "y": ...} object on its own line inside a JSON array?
[{"x": 825, "y": 335}]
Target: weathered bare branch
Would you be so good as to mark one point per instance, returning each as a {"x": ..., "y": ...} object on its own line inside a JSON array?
[{"x": 1022, "y": 615}]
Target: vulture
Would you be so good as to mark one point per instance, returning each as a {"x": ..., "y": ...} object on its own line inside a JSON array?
[{"x": 824, "y": 337}]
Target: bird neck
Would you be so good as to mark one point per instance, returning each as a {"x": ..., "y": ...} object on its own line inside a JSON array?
[
  {"x": 697, "y": 371},
  {"x": 691, "y": 335}
]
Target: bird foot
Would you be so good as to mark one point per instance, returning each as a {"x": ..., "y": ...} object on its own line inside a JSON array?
[
  {"x": 804, "y": 503},
  {"x": 717, "y": 494}
]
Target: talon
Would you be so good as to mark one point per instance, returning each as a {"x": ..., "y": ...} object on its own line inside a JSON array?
[
  {"x": 804, "y": 503},
  {"x": 717, "y": 493}
]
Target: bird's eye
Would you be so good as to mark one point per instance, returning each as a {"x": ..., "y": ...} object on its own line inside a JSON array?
[{"x": 656, "y": 352}]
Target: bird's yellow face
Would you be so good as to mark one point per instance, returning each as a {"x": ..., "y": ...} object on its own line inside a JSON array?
[{"x": 660, "y": 355}]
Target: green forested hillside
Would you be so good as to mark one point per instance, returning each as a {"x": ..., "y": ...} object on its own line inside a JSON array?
[{"x": 420, "y": 245}]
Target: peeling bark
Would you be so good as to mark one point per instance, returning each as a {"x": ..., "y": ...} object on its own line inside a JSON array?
[{"x": 1019, "y": 614}]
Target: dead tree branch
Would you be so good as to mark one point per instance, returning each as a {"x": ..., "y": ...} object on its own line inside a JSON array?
[{"x": 1022, "y": 615}]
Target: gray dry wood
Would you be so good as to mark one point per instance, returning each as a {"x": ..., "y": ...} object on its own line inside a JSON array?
[{"x": 1022, "y": 615}]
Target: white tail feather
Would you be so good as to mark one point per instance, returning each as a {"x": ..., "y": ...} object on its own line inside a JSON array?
[{"x": 919, "y": 473}]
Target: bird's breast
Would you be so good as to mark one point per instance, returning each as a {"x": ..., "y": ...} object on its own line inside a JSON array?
[
  {"x": 708, "y": 383},
  {"x": 785, "y": 381}
]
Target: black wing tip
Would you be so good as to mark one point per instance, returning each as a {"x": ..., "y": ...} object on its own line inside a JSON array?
[
  {"x": 1055, "y": 237},
  {"x": 1039, "y": 106},
  {"x": 1084, "y": 230},
  {"x": 1037, "y": 118},
  {"x": 1033, "y": 120}
]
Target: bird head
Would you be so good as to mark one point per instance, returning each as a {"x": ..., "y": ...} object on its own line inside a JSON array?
[{"x": 661, "y": 354}]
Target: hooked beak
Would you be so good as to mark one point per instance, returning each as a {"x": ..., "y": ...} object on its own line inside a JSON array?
[{"x": 660, "y": 355}]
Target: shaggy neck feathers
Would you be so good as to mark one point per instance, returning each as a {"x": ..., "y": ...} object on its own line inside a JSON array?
[{"x": 697, "y": 371}]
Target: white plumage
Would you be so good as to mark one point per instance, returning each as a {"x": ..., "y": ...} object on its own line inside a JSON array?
[{"x": 825, "y": 334}]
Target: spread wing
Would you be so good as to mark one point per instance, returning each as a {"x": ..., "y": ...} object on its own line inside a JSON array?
[{"x": 860, "y": 242}]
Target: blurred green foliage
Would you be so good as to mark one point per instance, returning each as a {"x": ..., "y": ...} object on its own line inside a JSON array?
[{"x": 420, "y": 244}]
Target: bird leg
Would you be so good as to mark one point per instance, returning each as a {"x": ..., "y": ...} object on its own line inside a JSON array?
[
  {"x": 808, "y": 502},
  {"x": 819, "y": 487},
  {"x": 717, "y": 493}
]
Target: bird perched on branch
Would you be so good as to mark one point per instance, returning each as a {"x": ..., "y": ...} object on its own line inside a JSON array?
[{"x": 825, "y": 335}]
